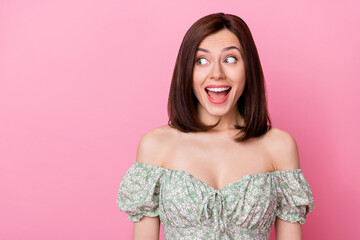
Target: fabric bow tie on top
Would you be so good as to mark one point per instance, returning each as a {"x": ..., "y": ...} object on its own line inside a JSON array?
[{"x": 213, "y": 206}]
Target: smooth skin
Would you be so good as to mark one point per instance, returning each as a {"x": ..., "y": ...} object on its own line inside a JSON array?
[{"x": 214, "y": 157}]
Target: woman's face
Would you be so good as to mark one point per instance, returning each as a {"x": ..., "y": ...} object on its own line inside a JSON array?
[{"x": 219, "y": 73}]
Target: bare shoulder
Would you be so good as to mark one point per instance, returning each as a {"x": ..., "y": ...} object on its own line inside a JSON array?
[
  {"x": 154, "y": 145},
  {"x": 282, "y": 148}
]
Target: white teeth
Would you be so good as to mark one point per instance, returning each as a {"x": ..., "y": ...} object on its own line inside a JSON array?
[{"x": 218, "y": 89}]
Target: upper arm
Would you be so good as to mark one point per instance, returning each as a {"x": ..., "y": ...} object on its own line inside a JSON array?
[
  {"x": 147, "y": 229},
  {"x": 285, "y": 156},
  {"x": 150, "y": 151},
  {"x": 287, "y": 230}
]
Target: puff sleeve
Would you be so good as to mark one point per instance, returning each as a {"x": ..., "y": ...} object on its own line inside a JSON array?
[
  {"x": 294, "y": 196},
  {"x": 138, "y": 193}
]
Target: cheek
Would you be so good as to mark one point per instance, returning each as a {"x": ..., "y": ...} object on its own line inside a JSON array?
[
  {"x": 240, "y": 81},
  {"x": 198, "y": 80},
  {"x": 237, "y": 74},
  {"x": 199, "y": 75},
  {"x": 196, "y": 89}
]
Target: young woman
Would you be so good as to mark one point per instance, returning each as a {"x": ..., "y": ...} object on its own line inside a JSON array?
[{"x": 218, "y": 169}]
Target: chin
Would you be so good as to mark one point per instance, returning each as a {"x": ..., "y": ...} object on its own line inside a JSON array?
[{"x": 218, "y": 113}]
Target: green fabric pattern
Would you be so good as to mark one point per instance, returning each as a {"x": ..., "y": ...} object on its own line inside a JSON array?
[{"x": 191, "y": 209}]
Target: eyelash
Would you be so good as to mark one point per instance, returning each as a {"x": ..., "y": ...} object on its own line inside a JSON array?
[{"x": 197, "y": 60}]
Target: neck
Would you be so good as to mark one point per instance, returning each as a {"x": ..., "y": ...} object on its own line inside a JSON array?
[{"x": 227, "y": 121}]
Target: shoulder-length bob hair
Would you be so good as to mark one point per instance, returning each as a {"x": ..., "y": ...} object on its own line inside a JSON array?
[{"x": 252, "y": 104}]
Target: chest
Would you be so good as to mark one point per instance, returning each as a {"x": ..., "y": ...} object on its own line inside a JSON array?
[
  {"x": 218, "y": 161},
  {"x": 186, "y": 202}
]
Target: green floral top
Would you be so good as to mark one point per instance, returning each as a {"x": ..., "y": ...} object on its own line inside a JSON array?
[{"x": 191, "y": 209}]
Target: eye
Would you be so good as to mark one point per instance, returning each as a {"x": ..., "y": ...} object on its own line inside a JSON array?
[
  {"x": 231, "y": 59},
  {"x": 201, "y": 61}
]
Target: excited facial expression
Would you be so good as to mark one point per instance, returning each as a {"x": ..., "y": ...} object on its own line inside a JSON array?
[{"x": 219, "y": 73}]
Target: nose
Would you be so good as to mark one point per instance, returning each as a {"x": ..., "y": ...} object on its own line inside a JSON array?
[{"x": 217, "y": 71}]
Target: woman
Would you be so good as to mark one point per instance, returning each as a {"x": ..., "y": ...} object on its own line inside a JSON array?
[{"x": 218, "y": 170}]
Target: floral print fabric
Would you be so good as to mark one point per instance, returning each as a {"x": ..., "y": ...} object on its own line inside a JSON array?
[{"x": 191, "y": 209}]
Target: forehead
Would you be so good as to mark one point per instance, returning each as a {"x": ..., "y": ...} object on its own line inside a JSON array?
[{"x": 220, "y": 39}]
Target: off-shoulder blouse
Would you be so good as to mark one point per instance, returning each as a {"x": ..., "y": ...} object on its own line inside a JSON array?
[{"x": 191, "y": 209}]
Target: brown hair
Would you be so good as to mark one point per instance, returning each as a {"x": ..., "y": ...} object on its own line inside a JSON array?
[{"x": 252, "y": 104}]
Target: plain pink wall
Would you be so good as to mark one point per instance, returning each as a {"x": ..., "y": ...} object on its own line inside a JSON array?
[{"x": 82, "y": 81}]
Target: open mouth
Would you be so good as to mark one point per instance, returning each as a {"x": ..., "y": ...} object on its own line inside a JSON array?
[{"x": 218, "y": 93}]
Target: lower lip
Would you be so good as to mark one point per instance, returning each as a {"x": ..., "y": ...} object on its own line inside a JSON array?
[{"x": 215, "y": 101}]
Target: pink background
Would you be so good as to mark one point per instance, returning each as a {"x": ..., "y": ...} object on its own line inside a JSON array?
[{"x": 82, "y": 81}]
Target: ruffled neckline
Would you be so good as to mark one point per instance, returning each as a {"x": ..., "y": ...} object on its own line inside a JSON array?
[{"x": 247, "y": 176}]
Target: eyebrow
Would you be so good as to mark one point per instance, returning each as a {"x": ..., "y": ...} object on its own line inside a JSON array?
[{"x": 225, "y": 49}]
